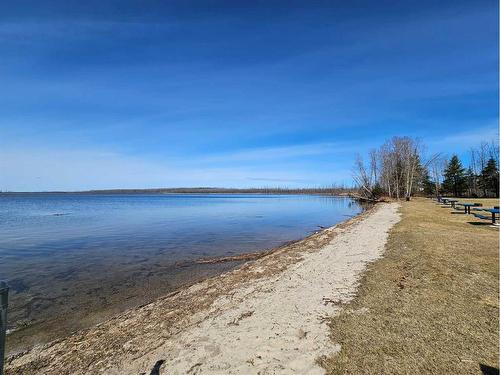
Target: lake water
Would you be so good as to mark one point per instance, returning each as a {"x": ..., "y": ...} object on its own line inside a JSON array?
[{"x": 78, "y": 258}]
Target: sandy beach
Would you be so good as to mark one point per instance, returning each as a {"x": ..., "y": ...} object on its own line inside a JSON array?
[{"x": 267, "y": 317}]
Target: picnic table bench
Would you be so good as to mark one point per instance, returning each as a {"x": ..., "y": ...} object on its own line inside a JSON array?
[
  {"x": 494, "y": 213},
  {"x": 467, "y": 206},
  {"x": 450, "y": 201}
]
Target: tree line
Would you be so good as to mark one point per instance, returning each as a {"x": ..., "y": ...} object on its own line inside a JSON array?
[
  {"x": 334, "y": 189},
  {"x": 400, "y": 169}
]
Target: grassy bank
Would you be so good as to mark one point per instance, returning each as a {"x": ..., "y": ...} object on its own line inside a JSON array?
[{"x": 430, "y": 305}]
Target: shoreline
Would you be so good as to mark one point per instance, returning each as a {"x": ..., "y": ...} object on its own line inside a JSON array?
[
  {"x": 320, "y": 192},
  {"x": 124, "y": 339},
  {"x": 77, "y": 301}
]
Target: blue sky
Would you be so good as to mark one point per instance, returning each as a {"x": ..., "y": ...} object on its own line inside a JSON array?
[{"x": 105, "y": 94}]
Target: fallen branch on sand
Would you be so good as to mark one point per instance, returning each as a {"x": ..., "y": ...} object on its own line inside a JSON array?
[
  {"x": 243, "y": 257},
  {"x": 233, "y": 258}
]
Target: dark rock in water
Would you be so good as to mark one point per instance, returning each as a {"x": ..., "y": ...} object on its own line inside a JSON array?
[
  {"x": 66, "y": 274},
  {"x": 17, "y": 285}
]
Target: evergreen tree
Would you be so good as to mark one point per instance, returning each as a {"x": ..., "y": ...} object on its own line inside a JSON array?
[
  {"x": 429, "y": 187},
  {"x": 471, "y": 178},
  {"x": 455, "y": 181},
  {"x": 489, "y": 177},
  {"x": 420, "y": 179}
]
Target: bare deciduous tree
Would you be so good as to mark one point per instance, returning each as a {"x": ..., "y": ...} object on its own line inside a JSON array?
[
  {"x": 395, "y": 168},
  {"x": 437, "y": 166}
]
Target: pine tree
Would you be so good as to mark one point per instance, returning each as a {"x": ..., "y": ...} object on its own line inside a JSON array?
[
  {"x": 420, "y": 178},
  {"x": 429, "y": 187},
  {"x": 471, "y": 178},
  {"x": 489, "y": 177},
  {"x": 454, "y": 177}
]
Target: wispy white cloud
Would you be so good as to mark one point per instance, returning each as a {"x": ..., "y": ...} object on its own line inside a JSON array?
[
  {"x": 32, "y": 169},
  {"x": 276, "y": 180},
  {"x": 467, "y": 138},
  {"x": 71, "y": 28},
  {"x": 282, "y": 152}
]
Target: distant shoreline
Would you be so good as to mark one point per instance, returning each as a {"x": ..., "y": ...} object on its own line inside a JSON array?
[{"x": 202, "y": 190}]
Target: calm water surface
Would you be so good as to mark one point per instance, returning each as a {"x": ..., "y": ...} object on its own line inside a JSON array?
[
  {"x": 66, "y": 226},
  {"x": 55, "y": 248}
]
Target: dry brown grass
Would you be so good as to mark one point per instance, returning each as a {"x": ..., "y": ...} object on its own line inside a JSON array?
[{"x": 430, "y": 305}]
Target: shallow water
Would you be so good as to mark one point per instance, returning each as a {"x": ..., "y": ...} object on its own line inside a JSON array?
[{"x": 77, "y": 258}]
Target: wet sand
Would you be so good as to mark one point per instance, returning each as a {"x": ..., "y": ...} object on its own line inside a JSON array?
[{"x": 75, "y": 301}]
